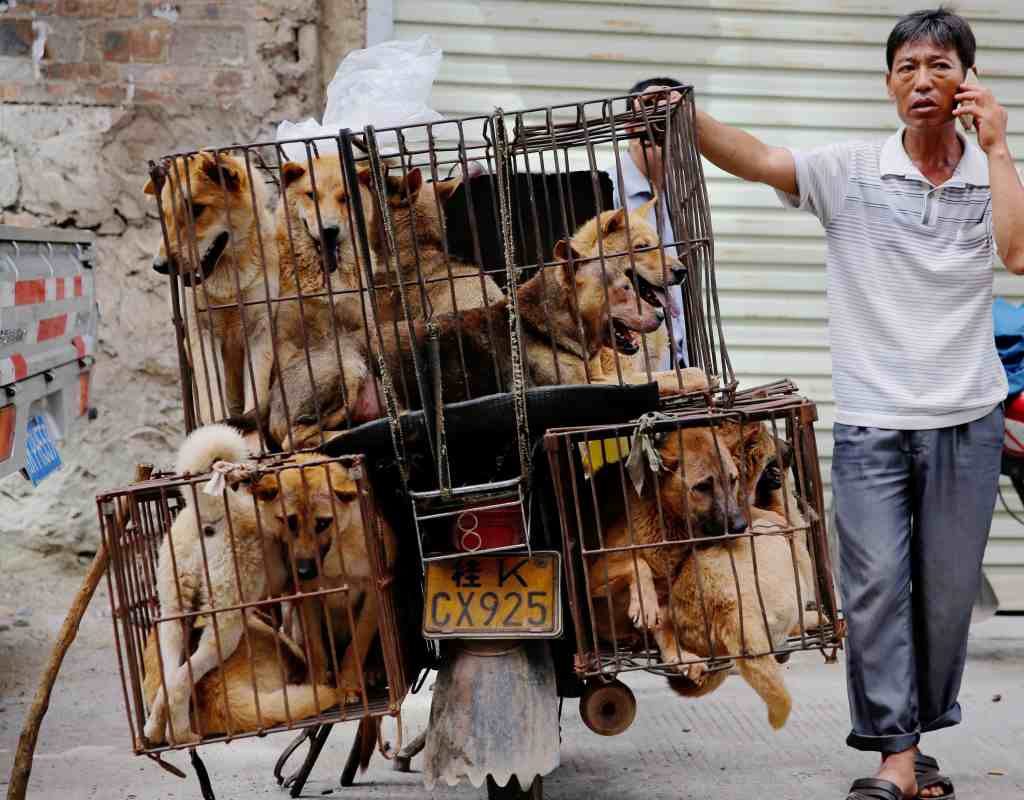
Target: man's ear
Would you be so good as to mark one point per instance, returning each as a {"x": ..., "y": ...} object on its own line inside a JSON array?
[
  {"x": 614, "y": 222},
  {"x": 221, "y": 169},
  {"x": 291, "y": 172}
]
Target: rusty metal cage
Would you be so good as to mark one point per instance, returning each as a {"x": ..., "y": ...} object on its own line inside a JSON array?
[
  {"x": 218, "y": 607},
  {"x": 696, "y": 539}
]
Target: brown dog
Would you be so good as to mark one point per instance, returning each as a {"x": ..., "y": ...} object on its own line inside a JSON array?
[
  {"x": 637, "y": 248},
  {"x": 433, "y": 282},
  {"x": 266, "y": 658},
  {"x": 221, "y": 244},
  {"x": 322, "y": 511}
]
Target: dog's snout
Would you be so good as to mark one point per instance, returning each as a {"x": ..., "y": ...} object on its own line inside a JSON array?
[
  {"x": 331, "y": 233},
  {"x": 306, "y": 568},
  {"x": 161, "y": 264},
  {"x": 737, "y": 522},
  {"x": 678, "y": 274}
]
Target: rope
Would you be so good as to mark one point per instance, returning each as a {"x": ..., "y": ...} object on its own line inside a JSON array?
[
  {"x": 643, "y": 444},
  {"x": 387, "y": 384},
  {"x": 518, "y": 375}
]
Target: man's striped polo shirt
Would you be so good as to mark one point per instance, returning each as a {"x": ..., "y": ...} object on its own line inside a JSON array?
[{"x": 909, "y": 284}]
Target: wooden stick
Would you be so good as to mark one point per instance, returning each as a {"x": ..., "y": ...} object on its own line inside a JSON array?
[{"x": 69, "y": 630}]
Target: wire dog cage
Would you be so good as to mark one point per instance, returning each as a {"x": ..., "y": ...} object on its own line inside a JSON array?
[
  {"x": 433, "y": 307},
  {"x": 245, "y": 635},
  {"x": 429, "y": 288},
  {"x": 696, "y": 539}
]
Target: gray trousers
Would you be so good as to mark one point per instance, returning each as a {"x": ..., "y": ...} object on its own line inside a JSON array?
[{"x": 913, "y": 511}]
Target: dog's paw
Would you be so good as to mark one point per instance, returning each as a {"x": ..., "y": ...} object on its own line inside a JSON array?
[
  {"x": 187, "y": 736},
  {"x": 646, "y": 614},
  {"x": 696, "y": 673},
  {"x": 153, "y": 731}
]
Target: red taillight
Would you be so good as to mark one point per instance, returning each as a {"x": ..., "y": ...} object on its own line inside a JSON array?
[
  {"x": 8, "y": 414},
  {"x": 483, "y": 529},
  {"x": 83, "y": 394}
]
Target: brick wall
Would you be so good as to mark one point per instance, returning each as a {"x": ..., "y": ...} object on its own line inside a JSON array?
[{"x": 113, "y": 84}]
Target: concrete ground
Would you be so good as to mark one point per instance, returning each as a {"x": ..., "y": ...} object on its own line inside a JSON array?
[{"x": 719, "y": 746}]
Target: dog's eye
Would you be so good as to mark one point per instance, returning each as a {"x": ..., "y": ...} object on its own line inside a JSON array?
[
  {"x": 209, "y": 530},
  {"x": 197, "y": 209},
  {"x": 705, "y": 486},
  {"x": 293, "y": 522},
  {"x": 323, "y": 523},
  {"x": 311, "y": 195}
]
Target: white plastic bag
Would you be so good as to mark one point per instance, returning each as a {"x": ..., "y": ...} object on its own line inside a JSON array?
[{"x": 386, "y": 85}]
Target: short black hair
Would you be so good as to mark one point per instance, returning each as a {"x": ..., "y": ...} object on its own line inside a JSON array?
[
  {"x": 941, "y": 25},
  {"x": 642, "y": 86}
]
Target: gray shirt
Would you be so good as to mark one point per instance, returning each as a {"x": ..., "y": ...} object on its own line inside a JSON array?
[{"x": 909, "y": 284}]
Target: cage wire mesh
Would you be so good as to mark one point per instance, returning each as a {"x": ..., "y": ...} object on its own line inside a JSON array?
[
  {"x": 696, "y": 538},
  {"x": 437, "y": 297},
  {"x": 268, "y": 606}
]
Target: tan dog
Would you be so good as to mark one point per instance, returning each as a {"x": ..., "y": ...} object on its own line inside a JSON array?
[
  {"x": 653, "y": 277},
  {"x": 319, "y": 261},
  {"x": 230, "y": 261},
  {"x": 265, "y": 657},
  {"x": 433, "y": 283},
  {"x": 323, "y": 501},
  {"x": 706, "y": 594},
  {"x": 218, "y": 554}
]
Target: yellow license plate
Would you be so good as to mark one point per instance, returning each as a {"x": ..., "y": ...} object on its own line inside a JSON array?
[{"x": 502, "y": 597}]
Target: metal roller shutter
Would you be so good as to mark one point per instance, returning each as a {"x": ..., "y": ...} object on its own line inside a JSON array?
[{"x": 793, "y": 72}]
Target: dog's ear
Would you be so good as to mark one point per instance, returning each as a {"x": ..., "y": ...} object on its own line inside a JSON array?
[
  {"x": 218, "y": 169},
  {"x": 291, "y": 171},
  {"x": 150, "y": 187},
  {"x": 445, "y": 189},
  {"x": 266, "y": 488},
  {"x": 403, "y": 191},
  {"x": 645, "y": 209},
  {"x": 614, "y": 222},
  {"x": 563, "y": 250}
]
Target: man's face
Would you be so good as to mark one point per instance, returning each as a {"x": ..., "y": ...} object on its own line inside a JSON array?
[{"x": 924, "y": 79}]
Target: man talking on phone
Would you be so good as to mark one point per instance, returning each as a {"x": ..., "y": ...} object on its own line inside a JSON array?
[{"x": 913, "y": 226}]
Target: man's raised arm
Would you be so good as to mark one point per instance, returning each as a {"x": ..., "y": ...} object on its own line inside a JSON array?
[{"x": 740, "y": 154}]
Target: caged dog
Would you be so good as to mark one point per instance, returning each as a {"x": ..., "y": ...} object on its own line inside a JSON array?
[
  {"x": 219, "y": 233},
  {"x": 421, "y": 279},
  {"x": 568, "y": 312},
  {"x": 265, "y": 657},
  {"x": 252, "y": 548},
  {"x": 329, "y": 509},
  {"x": 688, "y": 597},
  {"x": 211, "y": 533}
]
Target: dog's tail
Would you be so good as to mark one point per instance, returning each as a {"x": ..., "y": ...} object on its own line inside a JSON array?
[
  {"x": 207, "y": 445},
  {"x": 765, "y": 678}
]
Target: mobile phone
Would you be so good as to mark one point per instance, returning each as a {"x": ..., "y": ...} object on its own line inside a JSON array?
[{"x": 967, "y": 120}]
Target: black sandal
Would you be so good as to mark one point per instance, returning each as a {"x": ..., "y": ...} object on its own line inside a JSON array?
[
  {"x": 926, "y": 769},
  {"x": 875, "y": 789}
]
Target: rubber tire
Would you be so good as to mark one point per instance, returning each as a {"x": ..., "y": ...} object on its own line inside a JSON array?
[{"x": 513, "y": 791}]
